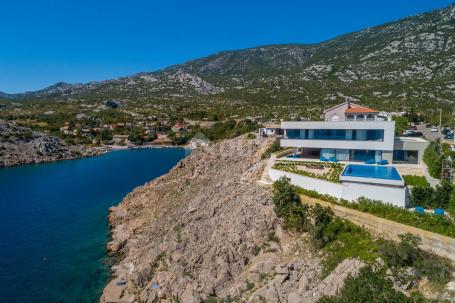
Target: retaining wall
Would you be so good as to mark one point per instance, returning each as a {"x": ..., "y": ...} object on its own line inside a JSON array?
[
  {"x": 350, "y": 191},
  {"x": 321, "y": 186},
  {"x": 431, "y": 242}
]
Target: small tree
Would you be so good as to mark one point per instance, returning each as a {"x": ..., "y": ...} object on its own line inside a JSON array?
[
  {"x": 433, "y": 159},
  {"x": 288, "y": 206}
]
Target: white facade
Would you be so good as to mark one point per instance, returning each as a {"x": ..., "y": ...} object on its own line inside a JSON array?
[
  {"x": 352, "y": 132},
  {"x": 347, "y": 190},
  {"x": 345, "y": 140}
]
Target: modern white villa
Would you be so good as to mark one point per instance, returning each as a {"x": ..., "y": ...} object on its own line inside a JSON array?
[
  {"x": 362, "y": 140},
  {"x": 352, "y": 133}
]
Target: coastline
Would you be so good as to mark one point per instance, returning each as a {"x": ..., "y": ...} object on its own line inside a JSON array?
[
  {"x": 59, "y": 213},
  {"x": 89, "y": 152}
]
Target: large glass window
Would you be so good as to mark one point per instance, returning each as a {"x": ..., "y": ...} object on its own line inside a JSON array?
[
  {"x": 366, "y": 155},
  {"x": 337, "y": 134}
]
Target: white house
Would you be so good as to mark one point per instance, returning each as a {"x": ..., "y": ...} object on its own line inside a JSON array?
[
  {"x": 352, "y": 132},
  {"x": 270, "y": 129}
]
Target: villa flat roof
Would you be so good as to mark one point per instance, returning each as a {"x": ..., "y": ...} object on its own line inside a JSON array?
[{"x": 360, "y": 110}]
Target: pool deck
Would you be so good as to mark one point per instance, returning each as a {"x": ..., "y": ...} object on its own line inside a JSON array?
[
  {"x": 403, "y": 169},
  {"x": 370, "y": 178}
]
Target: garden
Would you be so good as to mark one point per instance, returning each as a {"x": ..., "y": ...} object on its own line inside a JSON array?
[{"x": 318, "y": 170}]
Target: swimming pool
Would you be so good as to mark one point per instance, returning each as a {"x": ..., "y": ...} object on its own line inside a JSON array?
[{"x": 371, "y": 171}]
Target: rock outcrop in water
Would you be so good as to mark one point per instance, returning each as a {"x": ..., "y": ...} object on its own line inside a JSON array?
[
  {"x": 207, "y": 229},
  {"x": 21, "y": 145}
]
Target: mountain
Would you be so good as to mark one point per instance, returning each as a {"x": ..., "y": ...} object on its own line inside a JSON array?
[{"x": 412, "y": 59}]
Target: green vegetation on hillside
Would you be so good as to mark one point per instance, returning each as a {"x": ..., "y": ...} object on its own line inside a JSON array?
[
  {"x": 230, "y": 129},
  {"x": 430, "y": 222},
  {"x": 433, "y": 159},
  {"x": 340, "y": 240}
]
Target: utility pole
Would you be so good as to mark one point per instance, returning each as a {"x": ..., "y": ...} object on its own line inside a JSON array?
[{"x": 440, "y": 119}]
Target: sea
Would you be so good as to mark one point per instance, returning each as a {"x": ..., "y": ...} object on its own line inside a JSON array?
[{"x": 53, "y": 222}]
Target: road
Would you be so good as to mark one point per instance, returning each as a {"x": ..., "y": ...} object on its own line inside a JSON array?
[
  {"x": 433, "y": 136},
  {"x": 428, "y": 134}
]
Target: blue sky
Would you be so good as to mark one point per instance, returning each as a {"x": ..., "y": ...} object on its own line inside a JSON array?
[{"x": 43, "y": 42}]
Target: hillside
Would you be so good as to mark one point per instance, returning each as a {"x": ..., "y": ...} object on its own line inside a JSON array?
[
  {"x": 188, "y": 235},
  {"x": 208, "y": 232},
  {"x": 21, "y": 145},
  {"x": 412, "y": 59}
]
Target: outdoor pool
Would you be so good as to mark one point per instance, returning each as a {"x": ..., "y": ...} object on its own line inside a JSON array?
[{"x": 371, "y": 171}]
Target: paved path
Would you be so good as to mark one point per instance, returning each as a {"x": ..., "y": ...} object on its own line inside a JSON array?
[{"x": 265, "y": 178}]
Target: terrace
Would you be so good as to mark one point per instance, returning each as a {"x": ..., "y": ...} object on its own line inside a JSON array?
[
  {"x": 318, "y": 170},
  {"x": 343, "y": 179}
]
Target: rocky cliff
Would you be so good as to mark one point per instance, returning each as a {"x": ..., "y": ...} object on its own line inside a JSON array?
[
  {"x": 21, "y": 145},
  {"x": 207, "y": 229}
]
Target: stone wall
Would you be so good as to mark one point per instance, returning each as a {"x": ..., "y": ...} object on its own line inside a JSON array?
[{"x": 431, "y": 242}]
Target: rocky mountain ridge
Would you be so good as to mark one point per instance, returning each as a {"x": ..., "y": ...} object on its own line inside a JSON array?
[{"x": 412, "y": 58}]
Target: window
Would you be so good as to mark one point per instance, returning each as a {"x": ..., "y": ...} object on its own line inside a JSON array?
[
  {"x": 336, "y": 134},
  {"x": 408, "y": 156},
  {"x": 364, "y": 155}
]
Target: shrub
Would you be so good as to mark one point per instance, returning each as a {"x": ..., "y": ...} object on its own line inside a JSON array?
[
  {"x": 415, "y": 180},
  {"x": 272, "y": 149},
  {"x": 333, "y": 175},
  {"x": 433, "y": 159},
  {"x": 400, "y": 254},
  {"x": 341, "y": 239},
  {"x": 422, "y": 195},
  {"x": 434, "y": 223},
  {"x": 368, "y": 286},
  {"x": 451, "y": 206},
  {"x": 442, "y": 195},
  {"x": 433, "y": 198},
  {"x": 320, "y": 232},
  {"x": 256, "y": 250},
  {"x": 288, "y": 206},
  {"x": 407, "y": 254},
  {"x": 251, "y": 136}
]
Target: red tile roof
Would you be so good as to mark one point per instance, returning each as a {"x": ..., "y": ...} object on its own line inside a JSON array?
[{"x": 360, "y": 110}]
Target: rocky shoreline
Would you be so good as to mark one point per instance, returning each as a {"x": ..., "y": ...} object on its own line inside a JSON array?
[
  {"x": 207, "y": 229},
  {"x": 21, "y": 145}
]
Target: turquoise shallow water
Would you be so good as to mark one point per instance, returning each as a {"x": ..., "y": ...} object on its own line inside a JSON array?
[{"x": 53, "y": 227}]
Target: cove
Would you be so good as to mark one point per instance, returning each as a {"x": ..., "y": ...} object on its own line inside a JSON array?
[{"x": 53, "y": 222}]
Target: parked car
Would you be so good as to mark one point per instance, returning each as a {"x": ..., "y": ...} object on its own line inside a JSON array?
[
  {"x": 449, "y": 136},
  {"x": 446, "y": 131},
  {"x": 414, "y": 127},
  {"x": 408, "y": 131},
  {"x": 434, "y": 129},
  {"x": 428, "y": 125},
  {"x": 413, "y": 134}
]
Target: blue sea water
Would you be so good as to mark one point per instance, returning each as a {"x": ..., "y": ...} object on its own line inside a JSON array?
[{"x": 53, "y": 222}]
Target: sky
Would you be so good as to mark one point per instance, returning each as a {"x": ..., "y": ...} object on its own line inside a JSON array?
[{"x": 43, "y": 42}]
